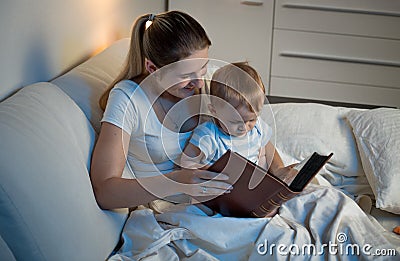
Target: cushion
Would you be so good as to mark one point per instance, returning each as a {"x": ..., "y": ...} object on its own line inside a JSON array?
[
  {"x": 302, "y": 128},
  {"x": 47, "y": 207},
  {"x": 377, "y": 134},
  {"x": 5, "y": 252},
  {"x": 87, "y": 82}
]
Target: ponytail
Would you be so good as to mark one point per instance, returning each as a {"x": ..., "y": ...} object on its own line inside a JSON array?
[{"x": 134, "y": 63}]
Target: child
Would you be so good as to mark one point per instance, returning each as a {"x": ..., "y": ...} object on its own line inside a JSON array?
[{"x": 237, "y": 98}]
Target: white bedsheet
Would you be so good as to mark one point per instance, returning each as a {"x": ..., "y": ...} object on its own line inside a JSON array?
[{"x": 320, "y": 215}]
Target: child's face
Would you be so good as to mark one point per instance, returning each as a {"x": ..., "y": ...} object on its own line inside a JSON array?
[{"x": 235, "y": 121}]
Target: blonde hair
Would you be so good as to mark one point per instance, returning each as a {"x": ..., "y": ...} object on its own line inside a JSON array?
[
  {"x": 239, "y": 84},
  {"x": 171, "y": 37}
]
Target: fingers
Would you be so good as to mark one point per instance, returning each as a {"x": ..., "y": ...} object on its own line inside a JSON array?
[
  {"x": 208, "y": 188},
  {"x": 207, "y": 175},
  {"x": 201, "y": 182},
  {"x": 291, "y": 174},
  {"x": 218, "y": 185},
  {"x": 208, "y": 191},
  {"x": 203, "y": 190},
  {"x": 214, "y": 183},
  {"x": 292, "y": 165}
]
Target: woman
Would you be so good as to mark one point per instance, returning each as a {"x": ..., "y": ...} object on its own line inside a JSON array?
[{"x": 156, "y": 41}]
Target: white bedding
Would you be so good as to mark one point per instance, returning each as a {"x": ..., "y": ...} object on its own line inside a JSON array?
[
  {"x": 312, "y": 226},
  {"x": 320, "y": 215}
]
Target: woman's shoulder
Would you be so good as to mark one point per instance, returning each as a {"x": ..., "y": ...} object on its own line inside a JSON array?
[
  {"x": 129, "y": 91},
  {"x": 126, "y": 86}
]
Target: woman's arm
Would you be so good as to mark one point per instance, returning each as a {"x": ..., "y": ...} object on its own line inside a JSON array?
[
  {"x": 108, "y": 162},
  {"x": 113, "y": 191}
]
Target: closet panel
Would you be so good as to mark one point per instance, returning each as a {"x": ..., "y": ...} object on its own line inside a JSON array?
[
  {"x": 332, "y": 91},
  {"x": 336, "y": 58},
  {"x": 356, "y": 17}
]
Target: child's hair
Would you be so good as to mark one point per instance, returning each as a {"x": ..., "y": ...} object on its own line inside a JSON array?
[
  {"x": 171, "y": 36},
  {"x": 239, "y": 84}
]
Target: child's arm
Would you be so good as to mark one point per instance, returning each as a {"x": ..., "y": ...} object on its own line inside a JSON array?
[
  {"x": 276, "y": 166},
  {"x": 192, "y": 157}
]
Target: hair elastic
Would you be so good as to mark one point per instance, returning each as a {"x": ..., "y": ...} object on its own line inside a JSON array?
[
  {"x": 150, "y": 20},
  {"x": 151, "y": 17}
]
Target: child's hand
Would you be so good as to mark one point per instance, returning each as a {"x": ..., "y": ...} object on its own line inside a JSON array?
[{"x": 286, "y": 174}]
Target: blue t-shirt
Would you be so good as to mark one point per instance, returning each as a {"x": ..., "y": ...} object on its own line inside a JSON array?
[{"x": 213, "y": 142}]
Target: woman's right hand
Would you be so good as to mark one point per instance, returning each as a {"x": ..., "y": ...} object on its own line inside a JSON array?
[{"x": 197, "y": 182}]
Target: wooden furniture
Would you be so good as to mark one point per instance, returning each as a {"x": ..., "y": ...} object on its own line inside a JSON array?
[{"x": 345, "y": 51}]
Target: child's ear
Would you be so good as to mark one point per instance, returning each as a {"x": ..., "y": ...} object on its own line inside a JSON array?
[
  {"x": 150, "y": 66},
  {"x": 211, "y": 108}
]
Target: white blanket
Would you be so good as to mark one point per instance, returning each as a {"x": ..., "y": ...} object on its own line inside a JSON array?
[{"x": 320, "y": 224}]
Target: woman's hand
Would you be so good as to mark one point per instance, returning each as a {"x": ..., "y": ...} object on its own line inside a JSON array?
[{"x": 196, "y": 182}]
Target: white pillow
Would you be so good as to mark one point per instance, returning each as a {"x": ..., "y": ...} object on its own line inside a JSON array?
[
  {"x": 377, "y": 134},
  {"x": 87, "y": 82},
  {"x": 302, "y": 128},
  {"x": 5, "y": 252},
  {"x": 47, "y": 207}
]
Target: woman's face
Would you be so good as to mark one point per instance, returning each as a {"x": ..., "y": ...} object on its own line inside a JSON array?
[{"x": 186, "y": 76}]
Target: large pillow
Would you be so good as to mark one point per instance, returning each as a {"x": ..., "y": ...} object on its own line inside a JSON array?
[
  {"x": 47, "y": 207},
  {"x": 302, "y": 128},
  {"x": 87, "y": 82},
  {"x": 5, "y": 252},
  {"x": 377, "y": 134}
]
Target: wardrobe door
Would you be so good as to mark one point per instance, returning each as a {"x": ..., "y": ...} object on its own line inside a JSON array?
[
  {"x": 343, "y": 50},
  {"x": 370, "y": 18}
]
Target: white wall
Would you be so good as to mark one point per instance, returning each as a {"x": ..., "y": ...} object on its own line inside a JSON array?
[{"x": 43, "y": 38}]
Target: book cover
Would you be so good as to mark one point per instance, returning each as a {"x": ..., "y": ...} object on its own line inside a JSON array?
[{"x": 263, "y": 198}]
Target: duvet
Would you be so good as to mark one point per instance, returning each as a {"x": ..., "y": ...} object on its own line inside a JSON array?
[{"x": 322, "y": 223}]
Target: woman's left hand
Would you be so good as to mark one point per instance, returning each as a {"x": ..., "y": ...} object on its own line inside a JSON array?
[{"x": 197, "y": 182}]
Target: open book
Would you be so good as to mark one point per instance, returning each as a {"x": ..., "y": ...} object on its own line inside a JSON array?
[{"x": 263, "y": 199}]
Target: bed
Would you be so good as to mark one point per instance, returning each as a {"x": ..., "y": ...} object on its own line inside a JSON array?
[{"x": 49, "y": 211}]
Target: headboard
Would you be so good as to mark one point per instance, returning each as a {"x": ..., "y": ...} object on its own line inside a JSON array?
[{"x": 279, "y": 99}]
